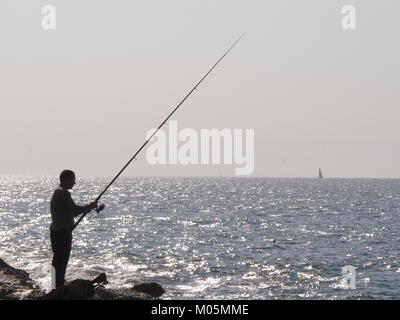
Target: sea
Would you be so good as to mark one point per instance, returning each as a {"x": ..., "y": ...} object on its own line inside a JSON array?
[{"x": 217, "y": 238}]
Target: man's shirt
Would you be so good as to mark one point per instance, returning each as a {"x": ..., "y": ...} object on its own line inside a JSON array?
[{"x": 63, "y": 210}]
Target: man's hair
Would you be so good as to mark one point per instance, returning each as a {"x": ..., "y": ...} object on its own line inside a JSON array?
[{"x": 66, "y": 174}]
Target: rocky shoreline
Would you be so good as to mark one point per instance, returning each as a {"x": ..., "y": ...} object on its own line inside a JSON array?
[{"x": 16, "y": 284}]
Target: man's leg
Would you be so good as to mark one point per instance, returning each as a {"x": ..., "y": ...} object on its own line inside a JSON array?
[{"x": 61, "y": 244}]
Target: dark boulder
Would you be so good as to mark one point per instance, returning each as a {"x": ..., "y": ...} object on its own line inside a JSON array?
[
  {"x": 85, "y": 289},
  {"x": 151, "y": 288},
  {"x": 16, "y": 284},
  {"x": 75, "y": 290},
  {"x": 120, "y": 294}
]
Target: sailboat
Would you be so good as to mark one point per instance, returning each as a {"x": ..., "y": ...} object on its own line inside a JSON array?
[{"x": 320, "y": 174}]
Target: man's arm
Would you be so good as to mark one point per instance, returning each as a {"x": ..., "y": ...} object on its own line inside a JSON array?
[{"x": 77, "y": 210}]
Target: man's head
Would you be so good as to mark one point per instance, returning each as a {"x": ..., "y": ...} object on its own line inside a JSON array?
[{"x": 67, "y": 179}]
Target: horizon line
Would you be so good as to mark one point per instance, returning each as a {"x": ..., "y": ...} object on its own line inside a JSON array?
[{"x": 189, "y": 176}]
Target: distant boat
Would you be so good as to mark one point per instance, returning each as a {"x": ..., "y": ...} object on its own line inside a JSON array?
[{"x": 320, "y": 174}]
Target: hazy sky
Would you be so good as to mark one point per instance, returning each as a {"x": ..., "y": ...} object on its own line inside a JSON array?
[{"x": 85, "y": 95}]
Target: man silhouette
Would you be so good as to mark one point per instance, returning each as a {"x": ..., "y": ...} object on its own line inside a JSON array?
[{"x": 63, "y": 210}]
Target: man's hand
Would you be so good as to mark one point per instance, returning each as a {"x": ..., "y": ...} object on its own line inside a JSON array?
[
  {"x": 100, "y": 208},
  {"x": 89, "y": 207},
  {"x": 93, "y": 205}
]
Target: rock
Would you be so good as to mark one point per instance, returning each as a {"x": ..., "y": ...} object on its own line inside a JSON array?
[
  {"x": 20, "y": 274},
  {"x": 75, "y": 290},
  {"x": 85, "y": 289},
  {"x": 16, "y": 284},
  {"x": 120, "y": 294},
  {"x": 151, "y": 288}
]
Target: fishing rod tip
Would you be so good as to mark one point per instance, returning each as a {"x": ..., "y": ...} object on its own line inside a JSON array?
[{"x": 243, "y": 34}]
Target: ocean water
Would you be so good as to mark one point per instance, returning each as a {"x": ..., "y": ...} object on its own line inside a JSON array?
[{"x": 217, "y": 238}]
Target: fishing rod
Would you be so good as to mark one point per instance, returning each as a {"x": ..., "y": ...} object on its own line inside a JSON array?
[{"x": 159, "y": 127}]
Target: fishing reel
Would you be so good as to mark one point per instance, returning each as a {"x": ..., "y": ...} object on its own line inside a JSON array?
[{"x": 100, "y": 208}]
